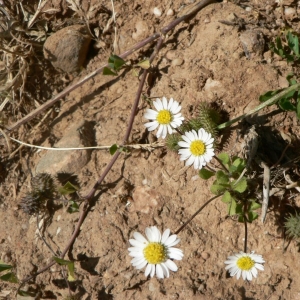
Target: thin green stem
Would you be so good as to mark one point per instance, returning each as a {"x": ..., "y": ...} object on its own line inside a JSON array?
[
  {"x": 246, "y": 228},
  {"x": 271, "y": 101},
  {"x": 196, "y": 213},
  {"x": 222, "y": 165}
]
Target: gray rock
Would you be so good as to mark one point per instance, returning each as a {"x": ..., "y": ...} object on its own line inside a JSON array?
[{"x": 71, "y": 161}]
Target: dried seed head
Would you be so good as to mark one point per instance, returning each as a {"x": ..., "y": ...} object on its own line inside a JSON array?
[
  {"x": 172, "y": 141},
  {"x": 31, "y": 204},
  {"x": 43, "y": 185},
  {"x": 292, "y": 226}
]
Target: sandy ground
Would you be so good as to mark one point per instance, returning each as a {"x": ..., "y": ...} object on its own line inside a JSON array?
[{"x": 202, "y": 60}]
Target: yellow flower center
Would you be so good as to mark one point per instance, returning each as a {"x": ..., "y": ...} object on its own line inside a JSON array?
[
  {"x": 164, "y": 117},
  {"x": 245, "y": 263},
  {"x": 155, "y": 253},
  {"x": 197, "y": 148}
]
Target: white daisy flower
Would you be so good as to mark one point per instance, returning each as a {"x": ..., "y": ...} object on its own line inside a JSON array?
[
  {"x": 197, "y": 148},
  {"x": 165, "y": 118},
  {"x": 244, "y": 264},
  {"x": 156, "y": 252}
]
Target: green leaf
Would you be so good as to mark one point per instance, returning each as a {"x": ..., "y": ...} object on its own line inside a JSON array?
[
  {"x": 144, "y": 64},
  {"x": 24, "y": 293},
  {"x": 268, "y": 95},
  {"x": 252, "y": 216},
  {"x": 10, "y": 277},
  {"x": 108, "y": 71},
  {"x": 222, "y": 178},
  {"x": 232, "y": 207},
  {"x": 224, "y": 158},
  {"x": 232, "y": 169},
  {"x": 239, "y": 163},
  {"x": 241, "y": 219},
  {"x": 218, "y": 189},
  {"x": 298, "y": 109},
  {"x": 61, "y": 261},
  {"x": 113, "y": 149},
  {"x": 4, "y": 266},
  {"x": 73, "y": 207},
  {"x": 293, "y": 42},
  {"x": 254, "y": 205},
  {"x": 135, "y": 72},
  {"x": 241, "y": 186},
  {"x": 70, "y": 266},
  {"x": 290, "y": 79},
  {"x": 71, "y": 272},
  {"x": 117, "y": 62},
  {"x": 226, "y": 198},
  {"x": 68, "y": 188},
  {"x": 285, "y": 104},
  {"x": 205, "y": 174}
]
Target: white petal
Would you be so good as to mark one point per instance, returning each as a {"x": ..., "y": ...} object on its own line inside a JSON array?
[
  {"x": 165, "y": 235},
  {"x": 149, "y": 234},
  {"x": 141, "y": 265},
  {"x": 190, "y": 161},
  {"x": 190, "y": 135},
  {"x": 259, "y": 267},
  {"x": 171, "y": 265},
  {"x": 136, "y": 243},
  {"x": 175, "y": 250},
  {"x": 158, "y": 104},
  {"x": 151, "y": 125},
  {"x": 164, "y": 132},
  {"x": 135, "y": 250},
  {"x": 139, "y": 237},
  {"x": 159, "y": 131},
  {"x": 185, "y": 138},
  {"x": 150, "y": 114},
  {"x": 165, "y": 270},
  {"x": 165, "y": 103},
  {"x": 152, "y": 270},
  {"x": 159, "y": 271},
  {"x": 176, "y": 109},
  {"x": 136, "y": 254},
  {"x": 254, "y": 272},
  {"x": 184, "y": 144},
  {"x": 148, "y": 269},
  {"x": 156, "y": 234},
  {"x": 170, "y": 130},
  {"x": 137, "y": 260},
  {"x": 170, "y": 104},
  {"x": 171, "y": 239}
]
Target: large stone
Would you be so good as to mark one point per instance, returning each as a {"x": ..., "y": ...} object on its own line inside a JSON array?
[
  {"x": 70, "y": 161},
  {"x": 67, "y": 48}
]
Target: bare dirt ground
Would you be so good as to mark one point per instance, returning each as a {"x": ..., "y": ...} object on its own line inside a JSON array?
[{"x": 201, "y": 60}]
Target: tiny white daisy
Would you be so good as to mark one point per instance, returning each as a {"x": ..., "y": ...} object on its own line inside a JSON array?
[
  {"x": 165, "y": 118},
  {"x": 244, "y": 264},
  {"x": 197, "y": 148},
  {"x": 156, "y": 252}
]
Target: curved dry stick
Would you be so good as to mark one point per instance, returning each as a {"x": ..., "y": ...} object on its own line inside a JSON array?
[{"x": 87, "y": 204}]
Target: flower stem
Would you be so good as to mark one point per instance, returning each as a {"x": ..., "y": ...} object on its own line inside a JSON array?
[
  {"x": 271, "y": 101},
  {"x": 222, "y": 165},
  {"x": 196, "y": 213}
]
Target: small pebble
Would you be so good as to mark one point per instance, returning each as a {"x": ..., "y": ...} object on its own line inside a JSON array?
[
  {"x": 171, "y": 55},
  {"x": 177, "y": 62},
  {"x": 170, "y": 12},
  {"x": 205, "y": 255},
  {"x": 290, "y": 12},
  {"x": 157, "y": 12}
]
